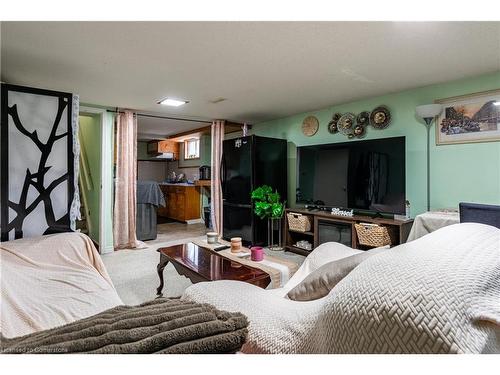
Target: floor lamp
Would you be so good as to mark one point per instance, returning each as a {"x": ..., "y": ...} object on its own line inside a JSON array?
[{"x": 427, "y": 113}]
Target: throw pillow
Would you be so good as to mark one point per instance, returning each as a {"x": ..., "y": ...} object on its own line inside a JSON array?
[{"x": 320, "y": 282}]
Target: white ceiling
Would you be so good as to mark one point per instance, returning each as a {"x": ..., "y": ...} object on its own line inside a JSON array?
[
  {"x": 156, "y": 128},
  {"x": 265, "y": 70}
]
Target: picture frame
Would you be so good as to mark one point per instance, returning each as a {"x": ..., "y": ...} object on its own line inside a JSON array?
[{"x": 469, "y": 118}]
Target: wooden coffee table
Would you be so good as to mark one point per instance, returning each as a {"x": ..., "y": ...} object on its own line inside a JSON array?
[{"x": 201, "y": 264}]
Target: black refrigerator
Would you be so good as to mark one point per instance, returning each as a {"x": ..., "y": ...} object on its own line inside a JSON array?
[{"x": 247, "y": 163}]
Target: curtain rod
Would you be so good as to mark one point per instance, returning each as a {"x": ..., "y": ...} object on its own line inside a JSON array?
[{"x": 163, "y": 117}]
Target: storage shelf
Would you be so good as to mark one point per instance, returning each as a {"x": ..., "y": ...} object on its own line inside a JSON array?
[
  {"x": 298, "y": 250},
  {"x": 401, "y": 228}
]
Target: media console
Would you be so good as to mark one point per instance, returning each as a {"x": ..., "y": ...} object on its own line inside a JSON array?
[{"x": 327, "y": 227}]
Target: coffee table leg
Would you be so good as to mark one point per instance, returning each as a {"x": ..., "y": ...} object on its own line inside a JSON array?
[{"x": 159, "y": 268}]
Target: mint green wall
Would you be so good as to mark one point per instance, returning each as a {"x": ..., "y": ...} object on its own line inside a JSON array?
[
  {"x": 106, "y": 137},
  {"x": 205, "y": 154},
  {"x": 462, "y": 172},
  {"x": 206, "y": 149},
  {"x": 142, "y": 150},
  {"x": 90, "y": 146}
]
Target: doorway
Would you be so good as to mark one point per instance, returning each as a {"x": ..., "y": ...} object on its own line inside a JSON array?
[
  {"x": 95, "y": 135},
  {"x": 89, "y": 136}
]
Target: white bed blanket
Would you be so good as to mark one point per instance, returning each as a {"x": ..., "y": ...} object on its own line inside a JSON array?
[
  {"x": 437, "y": 294},
  {"x": 51, "y": 280}
]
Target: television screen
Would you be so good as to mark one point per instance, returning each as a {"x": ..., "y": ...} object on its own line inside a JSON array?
[{"x": 361, "y": 175}]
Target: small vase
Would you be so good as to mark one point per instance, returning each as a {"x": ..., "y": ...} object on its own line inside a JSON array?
[{"x": 274, "y": 239}]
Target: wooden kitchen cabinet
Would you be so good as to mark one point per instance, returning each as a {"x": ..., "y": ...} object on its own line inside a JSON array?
[
  {"x": 169, "y": 146},
  {"x": 161, "y": 147},
  {"x": 183, "y": 202}
]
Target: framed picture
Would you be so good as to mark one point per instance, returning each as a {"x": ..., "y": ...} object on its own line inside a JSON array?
[{"x": 469, "y": 118}]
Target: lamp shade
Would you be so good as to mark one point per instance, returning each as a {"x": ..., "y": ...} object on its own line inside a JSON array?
[{"x": 428, "y": 110}]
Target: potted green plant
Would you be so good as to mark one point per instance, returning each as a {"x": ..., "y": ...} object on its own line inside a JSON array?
[{"x": 267, "y": 205}]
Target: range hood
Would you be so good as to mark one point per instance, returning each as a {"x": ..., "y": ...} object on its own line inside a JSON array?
[{"x": 164, "y": 155}]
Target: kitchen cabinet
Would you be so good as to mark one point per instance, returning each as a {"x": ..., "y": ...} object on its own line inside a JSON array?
[
  {"x": 166, "y": 146},
  {"x": 182, "y": 202}
]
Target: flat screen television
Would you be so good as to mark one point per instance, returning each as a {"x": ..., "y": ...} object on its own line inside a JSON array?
[{"x": 360, "y": 175}]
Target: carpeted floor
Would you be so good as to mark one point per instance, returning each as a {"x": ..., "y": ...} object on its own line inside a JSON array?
[
  {"x": 173, "y": 231},
  {"x": 133, "y": 272}
]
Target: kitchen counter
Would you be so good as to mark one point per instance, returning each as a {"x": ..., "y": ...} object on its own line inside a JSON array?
[
  {"x": 175, "y": 184},
  {"x": 205, "y": 183}
]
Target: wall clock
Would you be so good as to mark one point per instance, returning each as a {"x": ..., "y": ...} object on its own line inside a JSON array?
[{"x": 310, "y": 125}]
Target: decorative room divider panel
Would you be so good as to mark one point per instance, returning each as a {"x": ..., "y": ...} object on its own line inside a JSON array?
[{"x": 39, "y": 162}]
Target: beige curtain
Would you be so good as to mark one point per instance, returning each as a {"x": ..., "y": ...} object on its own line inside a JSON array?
[
  {"x": 124, "y": 215},
  {"x": 216, "y": 200}
]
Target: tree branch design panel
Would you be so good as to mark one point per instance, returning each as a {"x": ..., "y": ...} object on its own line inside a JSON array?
[{"x": 37, "y": 167}]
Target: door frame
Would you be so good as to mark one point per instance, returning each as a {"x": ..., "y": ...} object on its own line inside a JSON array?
[{"x": 106, "y": 182}]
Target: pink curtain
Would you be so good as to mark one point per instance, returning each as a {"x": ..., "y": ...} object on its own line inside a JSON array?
[
  {"x": 216, "y": 199},
  {"x": 124, "y": 215}
]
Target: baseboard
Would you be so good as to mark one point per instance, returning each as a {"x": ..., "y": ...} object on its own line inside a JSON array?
[
  {"x": 195, "y": 221},
  {"x": 106, "y": 250}
]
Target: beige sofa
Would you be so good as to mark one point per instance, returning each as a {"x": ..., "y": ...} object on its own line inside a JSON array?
[
  {"x": 437, "y": 294},
  {"x": 51, "y": 280}
]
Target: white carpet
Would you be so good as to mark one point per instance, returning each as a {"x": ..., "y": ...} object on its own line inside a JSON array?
[{"x": 134, "y": 275}]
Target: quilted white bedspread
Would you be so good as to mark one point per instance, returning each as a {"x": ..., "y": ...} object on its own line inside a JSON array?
[{"x": 437, "y": 294}]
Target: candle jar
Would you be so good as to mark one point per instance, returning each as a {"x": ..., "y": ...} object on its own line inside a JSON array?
[
  {"x": 212, "y": 237},
  {"x": 256, "y": 253},
  {"x": 235, "y": 244}
]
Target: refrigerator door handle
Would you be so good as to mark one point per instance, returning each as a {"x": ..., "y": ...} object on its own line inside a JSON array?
[
  {"x": 239, "y": 205},
  {"x": 222, "y": 173}
]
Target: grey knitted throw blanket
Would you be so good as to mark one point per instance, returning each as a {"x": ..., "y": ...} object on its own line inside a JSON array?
[{"x": 158, "y": 326}]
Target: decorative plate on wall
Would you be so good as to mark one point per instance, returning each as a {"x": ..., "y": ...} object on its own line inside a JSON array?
[
  {"x": 310, "y": 125},
  {"x": 380, "y": 117},
  {"x": 332, "y": 125},
  {"x": 359, "y": 131},
  {"x": 346, "y": 124},
  {"x": 363, "y": 118}
]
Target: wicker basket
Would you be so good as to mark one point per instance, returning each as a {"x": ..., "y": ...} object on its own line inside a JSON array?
[
  {"x": 375, "y": 235},
  {"x": 298, "y": 222}
]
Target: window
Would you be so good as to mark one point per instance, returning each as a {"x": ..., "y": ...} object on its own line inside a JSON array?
[{"x": 192, "y": 149}]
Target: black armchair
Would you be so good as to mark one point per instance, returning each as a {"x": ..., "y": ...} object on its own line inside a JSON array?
[{"x": 480, "y": 213}]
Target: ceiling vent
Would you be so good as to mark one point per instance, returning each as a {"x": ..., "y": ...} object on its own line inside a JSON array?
[{"x": 218, "y": 100}]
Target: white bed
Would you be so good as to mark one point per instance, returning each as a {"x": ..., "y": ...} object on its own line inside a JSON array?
[
  {"x": 437, "y": 294},
  {"x": 50, "y": 281}
]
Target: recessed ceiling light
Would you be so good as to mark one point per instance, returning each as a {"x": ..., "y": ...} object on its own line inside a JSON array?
[{"x": 173, "y": 102}]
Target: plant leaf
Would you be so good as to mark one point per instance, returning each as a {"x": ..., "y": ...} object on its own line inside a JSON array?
[
  {"x": 273, "y": 197},
  {"x": 267, "y": 203},
  {"x": 277, "y": 210}
]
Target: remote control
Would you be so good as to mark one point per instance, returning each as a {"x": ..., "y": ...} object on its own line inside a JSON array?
[{"x": 220, "y": 248}]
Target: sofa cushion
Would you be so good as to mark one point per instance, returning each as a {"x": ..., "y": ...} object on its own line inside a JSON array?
[
  {"x": 321, "y": 281},
  {"x": 325, "y": 253},
  {"x": 52, "y": 280}
]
